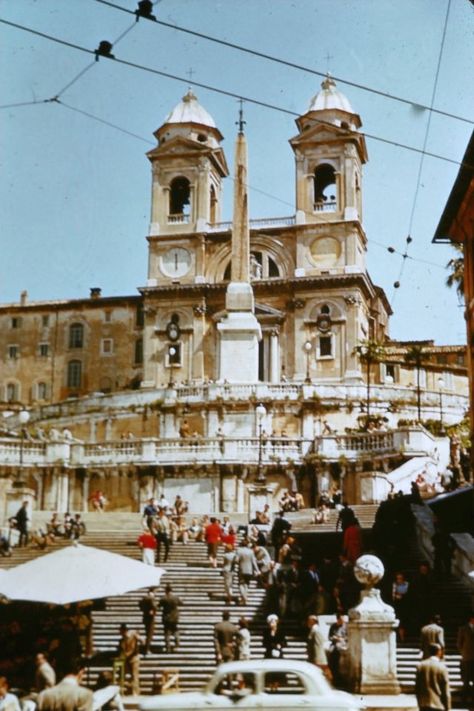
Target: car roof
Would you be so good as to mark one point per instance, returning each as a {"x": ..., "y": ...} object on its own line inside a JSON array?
[{"x": 262, "y": 665}]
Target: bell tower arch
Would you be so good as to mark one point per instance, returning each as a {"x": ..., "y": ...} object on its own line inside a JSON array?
[
  {"x": 329, "y": 154},
  {"x": 188, "y": 166}
]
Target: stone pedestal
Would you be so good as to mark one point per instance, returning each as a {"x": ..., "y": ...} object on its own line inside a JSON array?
[
  {"x": 239, "y": 334},
  {"x": 14, "y": 498},
  {"x": 259, "y": 494},
  {"x": 371, "y": 655}
]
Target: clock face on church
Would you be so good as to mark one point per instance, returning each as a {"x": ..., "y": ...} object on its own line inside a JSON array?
[{"x": 176, "y": 262}]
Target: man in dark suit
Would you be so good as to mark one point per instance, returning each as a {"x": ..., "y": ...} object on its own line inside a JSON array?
[
  {"x": 224, "y": 636},
  {"x": 169, "y": 604},
  {"x": 247, "y": 568},
  {"x": 23, "y": 523},
  {"x": 432, "y": 682},
  {"x": 148, "y": 609},
  {"x": 68, "y": 695},
  {"x": 280, "y": 529}
]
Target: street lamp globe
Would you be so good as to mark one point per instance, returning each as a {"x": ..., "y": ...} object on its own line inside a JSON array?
[
  {"x": 441, "y": 383},
  {"x": 261, "y": 411},
  {"x": 24, "y": 417},
  {"x": 308, "y": 346}
]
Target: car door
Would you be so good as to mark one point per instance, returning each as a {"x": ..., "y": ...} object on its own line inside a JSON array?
[
  {"x": 232, "y": 691},
  {"x": 284, "y": 691}
]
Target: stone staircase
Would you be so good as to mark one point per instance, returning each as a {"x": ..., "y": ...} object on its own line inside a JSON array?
[
  {"x": 200, "y": 588},
  {"x": 302, "y": 521}
]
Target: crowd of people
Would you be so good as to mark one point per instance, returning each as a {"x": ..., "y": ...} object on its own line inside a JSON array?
[
  {"x": 300, "y": 587},
  {"x": 18, "y": 530}
]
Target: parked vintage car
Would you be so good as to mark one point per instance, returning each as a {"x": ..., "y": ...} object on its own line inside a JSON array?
[{"x": 277, "y": 684}]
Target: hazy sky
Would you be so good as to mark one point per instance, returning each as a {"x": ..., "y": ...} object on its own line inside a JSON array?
[{"x": 75, "y": 193}]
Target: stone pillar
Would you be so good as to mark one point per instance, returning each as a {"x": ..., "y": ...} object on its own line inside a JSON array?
[
  {"x": 85, "y": 491},
  {"x": 62, "y": 491},
  {"x": 371, "y": 664},
  {"x": 274, "y": 358}
]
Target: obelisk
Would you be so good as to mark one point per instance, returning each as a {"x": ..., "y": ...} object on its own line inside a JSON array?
[{"x": 239, "y": 329}]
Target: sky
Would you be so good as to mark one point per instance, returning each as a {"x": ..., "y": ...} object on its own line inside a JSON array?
[{"x": 75, "y": 192}]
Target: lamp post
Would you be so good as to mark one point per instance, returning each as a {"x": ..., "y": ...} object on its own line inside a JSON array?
[
  {"x": 308, "y": 347},
  {"x": 260, "y": 412},
  {"x": 441, "y": 386},
  {"x": 23, "y": 417},
  {"x": 171, "y": 354}
]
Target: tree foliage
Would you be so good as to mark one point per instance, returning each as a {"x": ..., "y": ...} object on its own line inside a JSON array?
[{"x": 455, "y": 278}]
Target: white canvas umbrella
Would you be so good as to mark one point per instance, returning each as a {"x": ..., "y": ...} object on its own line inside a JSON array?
[{"x": 77, "y": 573}]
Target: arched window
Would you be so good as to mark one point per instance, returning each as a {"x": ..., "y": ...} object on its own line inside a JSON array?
[
  {"x": 42, "y": 391},
  {"x": 262, "y": 266},
  {"x": 74, "y": 374},
  {"x": 212, "y": 205},
  {"x": 325, "y": 189},
  {"x": 325, "y": 309},
  {"x": 180, "y": 196},
  {"x": 12, "y": 392},
  {"x": 76, "y": 335}
]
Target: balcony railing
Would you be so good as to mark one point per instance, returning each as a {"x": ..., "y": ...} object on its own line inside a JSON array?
[
  {"x": 255, "y": 224},
  {"x": 325, "y": 206},
  {"x": 197, "y": 450},
  {"x": 179, "y": 219}
]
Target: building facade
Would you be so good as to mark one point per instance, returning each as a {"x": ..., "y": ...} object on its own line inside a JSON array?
[
  {"x": 137, "y": 381},
  {"x": 457, "y": 226}
]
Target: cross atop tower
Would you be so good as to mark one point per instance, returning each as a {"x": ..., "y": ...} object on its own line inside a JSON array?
[
  {"x": 328, "y": 57},
  {"x": 190, "y": 73},
  {"x": 241, "y": 123}
]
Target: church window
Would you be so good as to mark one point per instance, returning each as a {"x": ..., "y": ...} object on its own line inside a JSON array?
[
  {"x": 16, "y": 322},
  {"x": 74, "y": 374},
  {"x": 45, "y": 321},
  {"x": 107, "y": 346},
  {"x": 180, "y": 196},
  {"x": 212, "y": 205},
  {"x": 262, "y": 266},
  {"x": 42, "y": 391},
  {"x": 12, "y": 392},
  {"x": 202, "y": 138},
  {"x": 325, "y": 309},
  {"x": 139, "y": 351},
  {"x": 325, "y": 191},
  {"x": 44, "y": 350},
  {"x": 76, "y": 335},
  {"x": 325, "y": 346},
  {"x": 13, "y": 352},
  {"x": 173, "y": 355}
]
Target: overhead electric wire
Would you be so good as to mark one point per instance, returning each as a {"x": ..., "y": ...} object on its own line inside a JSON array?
[
  {"x": 106, "y": 123},
  {"x": 287, "y": 63},
  {"x": 392, "y": 250},
  {"x": 422, "y": 157},
  {"x": 92, "y": 64},
  {"x": 223, "y": 92}
]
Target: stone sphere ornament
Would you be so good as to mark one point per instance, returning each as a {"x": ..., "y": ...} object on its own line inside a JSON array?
[{"x": 369, "y": 570}]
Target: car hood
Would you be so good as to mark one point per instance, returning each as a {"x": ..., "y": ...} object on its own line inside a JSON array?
[{"x": 173, "y": 701}]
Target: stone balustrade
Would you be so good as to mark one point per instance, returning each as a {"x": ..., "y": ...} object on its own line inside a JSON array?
[
  {"x": 210, "y": 449},
  {"x": 337, "y": 395}
]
